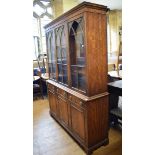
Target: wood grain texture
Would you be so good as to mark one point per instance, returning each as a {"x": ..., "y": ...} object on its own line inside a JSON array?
[
  {"x": 84, "y": 6},
  {"x": 78, "y": 121},
  {"x": 86, "y": 121},
  {"x": 96, "y": 53},
  {"x": 49, "y": 138},
  {"x": 98, "y": 127},
  {"x": 82, "y": 108}
]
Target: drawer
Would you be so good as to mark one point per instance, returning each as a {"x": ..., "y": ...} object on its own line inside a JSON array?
[
  {"x": 50, "y": 87},
  {"x": 61, "y": 92},
  {"x": 75, "y": 100}
]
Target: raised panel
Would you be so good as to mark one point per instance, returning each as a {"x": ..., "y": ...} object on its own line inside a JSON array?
[
  {"x": 52, "y": 102},
  {"x": 78, "y": 121},
  {"x": 63, "y": 109}
]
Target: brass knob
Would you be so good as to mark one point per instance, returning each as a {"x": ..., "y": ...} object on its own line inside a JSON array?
[{"x": 81, "y": 103}]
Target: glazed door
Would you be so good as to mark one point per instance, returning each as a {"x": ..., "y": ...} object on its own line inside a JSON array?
[
  {"x": 77, "y": 54},
  {"x": 51, "y": 54},
  {"x": 61, "y": 52}
]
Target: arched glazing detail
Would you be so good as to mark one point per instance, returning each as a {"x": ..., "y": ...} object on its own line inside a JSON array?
[
  {"x": 77, "y": 54},
  {"x": 51, "y": 55},
  {"x": 61, "y": 55}
]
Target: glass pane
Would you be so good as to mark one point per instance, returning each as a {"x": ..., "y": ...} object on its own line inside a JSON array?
[
  {"x": 76, "y": 38},
  {"x": 58, "y": 47},
  {"x": 80, "y": 54},
  {"x": 72, "y": 43},
  {"x": 65, "y": 80},
  {"x": 45, "y": 3},
  {"x": 74, "y": 78},
  {"x": 81, "y": 78},
  {"x": 58, "y": 54},
  {"x": 36, "y": 47},
  {"x": 64, "y": 56},
  {"x": 63, "y": 41},
  {"x": 38, "y": 9},
  {"x": 72, "y": 50},
  {"x": 50, "y": 70},
  {"x": 49, "y": 47},
  {"x": 54, "y": 70},
  {"x": 63, "y": 47},
  {"x": 52, "y": 43},
  {"x": 35, "y": 27},
  {"x": 60, "y": 72},
  {"x": 49, "y": 10},
  {"x": 77, "y": 54}
]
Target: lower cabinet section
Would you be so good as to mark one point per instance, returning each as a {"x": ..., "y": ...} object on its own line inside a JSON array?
[{"x": 84, "y": 118}]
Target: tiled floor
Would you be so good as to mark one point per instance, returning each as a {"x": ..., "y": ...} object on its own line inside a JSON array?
[{"x": 51, "y": 139}]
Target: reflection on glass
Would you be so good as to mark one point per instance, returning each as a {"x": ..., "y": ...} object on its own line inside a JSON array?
[
  {"x": 49, "y": 46},
  {"x": 81, "y": 79},
  {"x": 51, "y": 55},
  {"x": 60, "y": 72},
  {"x": 50, "y": 70},
  {"x": 74, "y": 77},
  {"x": 61, "y": 55},
  {"x": 54, "y": 70},
  {"x": 58, "y": 54},
  {"x": 65, "y": 80},
  {"x": 77, "y": 54},
  {"x": 64, "y": 57},
  {"x": 52, "y": 49}
]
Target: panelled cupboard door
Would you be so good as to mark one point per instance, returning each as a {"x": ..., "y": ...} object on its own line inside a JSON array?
[
  {"x": 52, "y": 102},
  {"x": 78, "y": 121},
  {"x": 63, "y": 109}
]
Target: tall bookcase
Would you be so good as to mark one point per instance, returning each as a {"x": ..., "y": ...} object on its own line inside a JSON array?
[{"x": 77, "y": 88}]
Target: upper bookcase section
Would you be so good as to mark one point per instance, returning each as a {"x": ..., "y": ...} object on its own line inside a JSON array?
[{"x": 84, "y": 6}]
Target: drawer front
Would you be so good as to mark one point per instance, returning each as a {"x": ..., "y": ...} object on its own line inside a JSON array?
[
  {"x": 51, "y": 87},
  {"x": 61, "y": 92},
  {"x": 75, "y": 100}
]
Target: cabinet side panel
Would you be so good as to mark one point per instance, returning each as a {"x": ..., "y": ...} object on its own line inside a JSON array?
[
  {"x": 97, "y": 116},
  {"x": 96, "y": 39}
]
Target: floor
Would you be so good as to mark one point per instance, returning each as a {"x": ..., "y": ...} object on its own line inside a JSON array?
[{"x": 51, "y": 139}]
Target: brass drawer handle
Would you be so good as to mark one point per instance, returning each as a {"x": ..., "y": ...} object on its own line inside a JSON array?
[
  {"x": 81, "y": 103},
  {"x": 65, "y": 94}
]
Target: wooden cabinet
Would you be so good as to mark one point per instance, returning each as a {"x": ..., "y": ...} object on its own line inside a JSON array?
[{"x": 77, "y": 58}]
